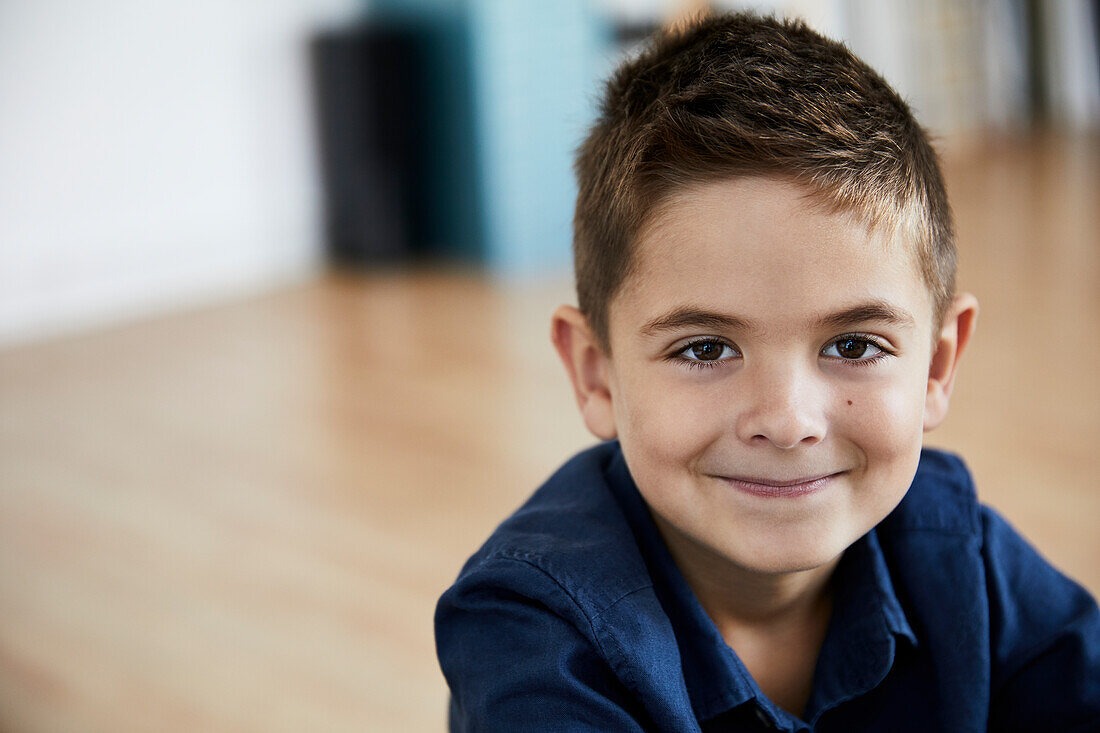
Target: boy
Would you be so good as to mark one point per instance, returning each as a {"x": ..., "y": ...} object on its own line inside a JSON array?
[{"x": 767, "y": 325}]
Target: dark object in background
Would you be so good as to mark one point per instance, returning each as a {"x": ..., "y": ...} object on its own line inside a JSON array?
[{"x": 369, "y": 86}]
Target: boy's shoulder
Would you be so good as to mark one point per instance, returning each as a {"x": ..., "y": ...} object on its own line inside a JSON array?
[
  {"x": 941, "y": 498},
  {"x": 559, "y": 600},
  {"x": 573, "y": 518}
]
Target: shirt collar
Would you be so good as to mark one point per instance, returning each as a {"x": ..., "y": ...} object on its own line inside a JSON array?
[
  {"x": 868, "y": 621},
  {"x": 859, "y": 646},
  {"x": 874, "y": 566},
  {"x": 716, "y": 679}
]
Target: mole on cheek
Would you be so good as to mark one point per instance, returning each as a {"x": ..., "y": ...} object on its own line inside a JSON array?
[{"x": 849, "y": 402}]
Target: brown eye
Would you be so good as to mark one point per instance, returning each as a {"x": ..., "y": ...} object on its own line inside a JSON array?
[
  {"x": 706, "y": 350},
  {"x": 854, "y": 348},
  {"x": 851, "y": 348}
]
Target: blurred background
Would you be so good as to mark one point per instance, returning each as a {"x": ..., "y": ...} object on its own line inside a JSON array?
[{"x": 275, "y": 287}]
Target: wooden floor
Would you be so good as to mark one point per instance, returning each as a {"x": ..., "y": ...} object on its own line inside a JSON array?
[{"x": 239, "y": 519}]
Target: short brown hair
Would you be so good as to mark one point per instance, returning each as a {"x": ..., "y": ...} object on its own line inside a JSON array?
[{"x": 738, "y": 95}]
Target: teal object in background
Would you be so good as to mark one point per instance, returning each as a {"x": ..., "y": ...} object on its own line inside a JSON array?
[
  {"x": 512, "y": 85},
  {"x": 536, "y": 66}
]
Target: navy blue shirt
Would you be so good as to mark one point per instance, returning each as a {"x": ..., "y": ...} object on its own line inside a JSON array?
[{"x": 574, "y": 617}]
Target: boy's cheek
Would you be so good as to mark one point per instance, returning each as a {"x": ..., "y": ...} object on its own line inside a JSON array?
[
  {"x": 885, "y": 422},
  {"x": 656, "y": 416}
]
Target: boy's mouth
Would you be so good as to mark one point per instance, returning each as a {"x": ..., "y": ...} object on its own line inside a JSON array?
[{"x": 769, "y": 487}]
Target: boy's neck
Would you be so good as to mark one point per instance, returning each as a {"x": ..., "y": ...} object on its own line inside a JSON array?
[{"x": 775, "y": 622}]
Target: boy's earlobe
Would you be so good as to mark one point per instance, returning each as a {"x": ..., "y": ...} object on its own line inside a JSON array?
[
  {"x": 958, "y": 326},
  {"x": 586, "y": 365}
]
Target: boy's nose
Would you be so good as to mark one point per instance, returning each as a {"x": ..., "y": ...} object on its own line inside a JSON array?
[{"x": 786, "y": 408}]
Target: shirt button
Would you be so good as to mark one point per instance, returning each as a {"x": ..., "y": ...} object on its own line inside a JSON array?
[{"x": 763, "y": 718}]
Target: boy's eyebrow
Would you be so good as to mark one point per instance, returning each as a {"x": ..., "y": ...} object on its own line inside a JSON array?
[
  {"x": 691, "y": 317},
  {"x": 875, "y": 310}
]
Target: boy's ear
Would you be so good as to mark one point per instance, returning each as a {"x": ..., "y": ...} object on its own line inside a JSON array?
[
  {"x": 958, "y": 326},
  {"x": 587, "y": 366}
]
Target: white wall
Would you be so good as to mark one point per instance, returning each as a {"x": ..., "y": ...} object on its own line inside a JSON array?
[{"x": 153, "y": 153}]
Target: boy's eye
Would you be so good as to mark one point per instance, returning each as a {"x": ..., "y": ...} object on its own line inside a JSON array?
[
  {"x": 853, "y": 348},
  {"x": 707, "y": 351}
]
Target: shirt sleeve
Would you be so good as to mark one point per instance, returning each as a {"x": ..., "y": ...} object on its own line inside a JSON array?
[
  {"x": 1045, "y": 639},
  {"x": 518, "y": 654}
]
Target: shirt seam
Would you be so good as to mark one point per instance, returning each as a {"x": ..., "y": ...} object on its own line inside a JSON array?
[
  {"x": 531, "y": 559},
  {"x": 625, "y": 671}
]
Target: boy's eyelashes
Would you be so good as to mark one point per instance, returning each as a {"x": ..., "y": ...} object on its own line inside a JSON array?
[
  {"x": 706, "y": 352},
  {"x": 856, "y": 349}
]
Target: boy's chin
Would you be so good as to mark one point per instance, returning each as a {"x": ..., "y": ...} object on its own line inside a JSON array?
[{"x": 792, "y": 559}]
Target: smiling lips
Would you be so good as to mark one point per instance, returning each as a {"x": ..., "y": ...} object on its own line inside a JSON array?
[{"x": 775, "y": 489}]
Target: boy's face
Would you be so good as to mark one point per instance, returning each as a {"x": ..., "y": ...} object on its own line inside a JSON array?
[{"x": 771, "y": 375}]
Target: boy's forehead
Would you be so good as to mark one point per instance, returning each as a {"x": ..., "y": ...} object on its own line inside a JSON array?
[
  {"x": 748, "y": 198},
  {"x": 763, "y": 228}
]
